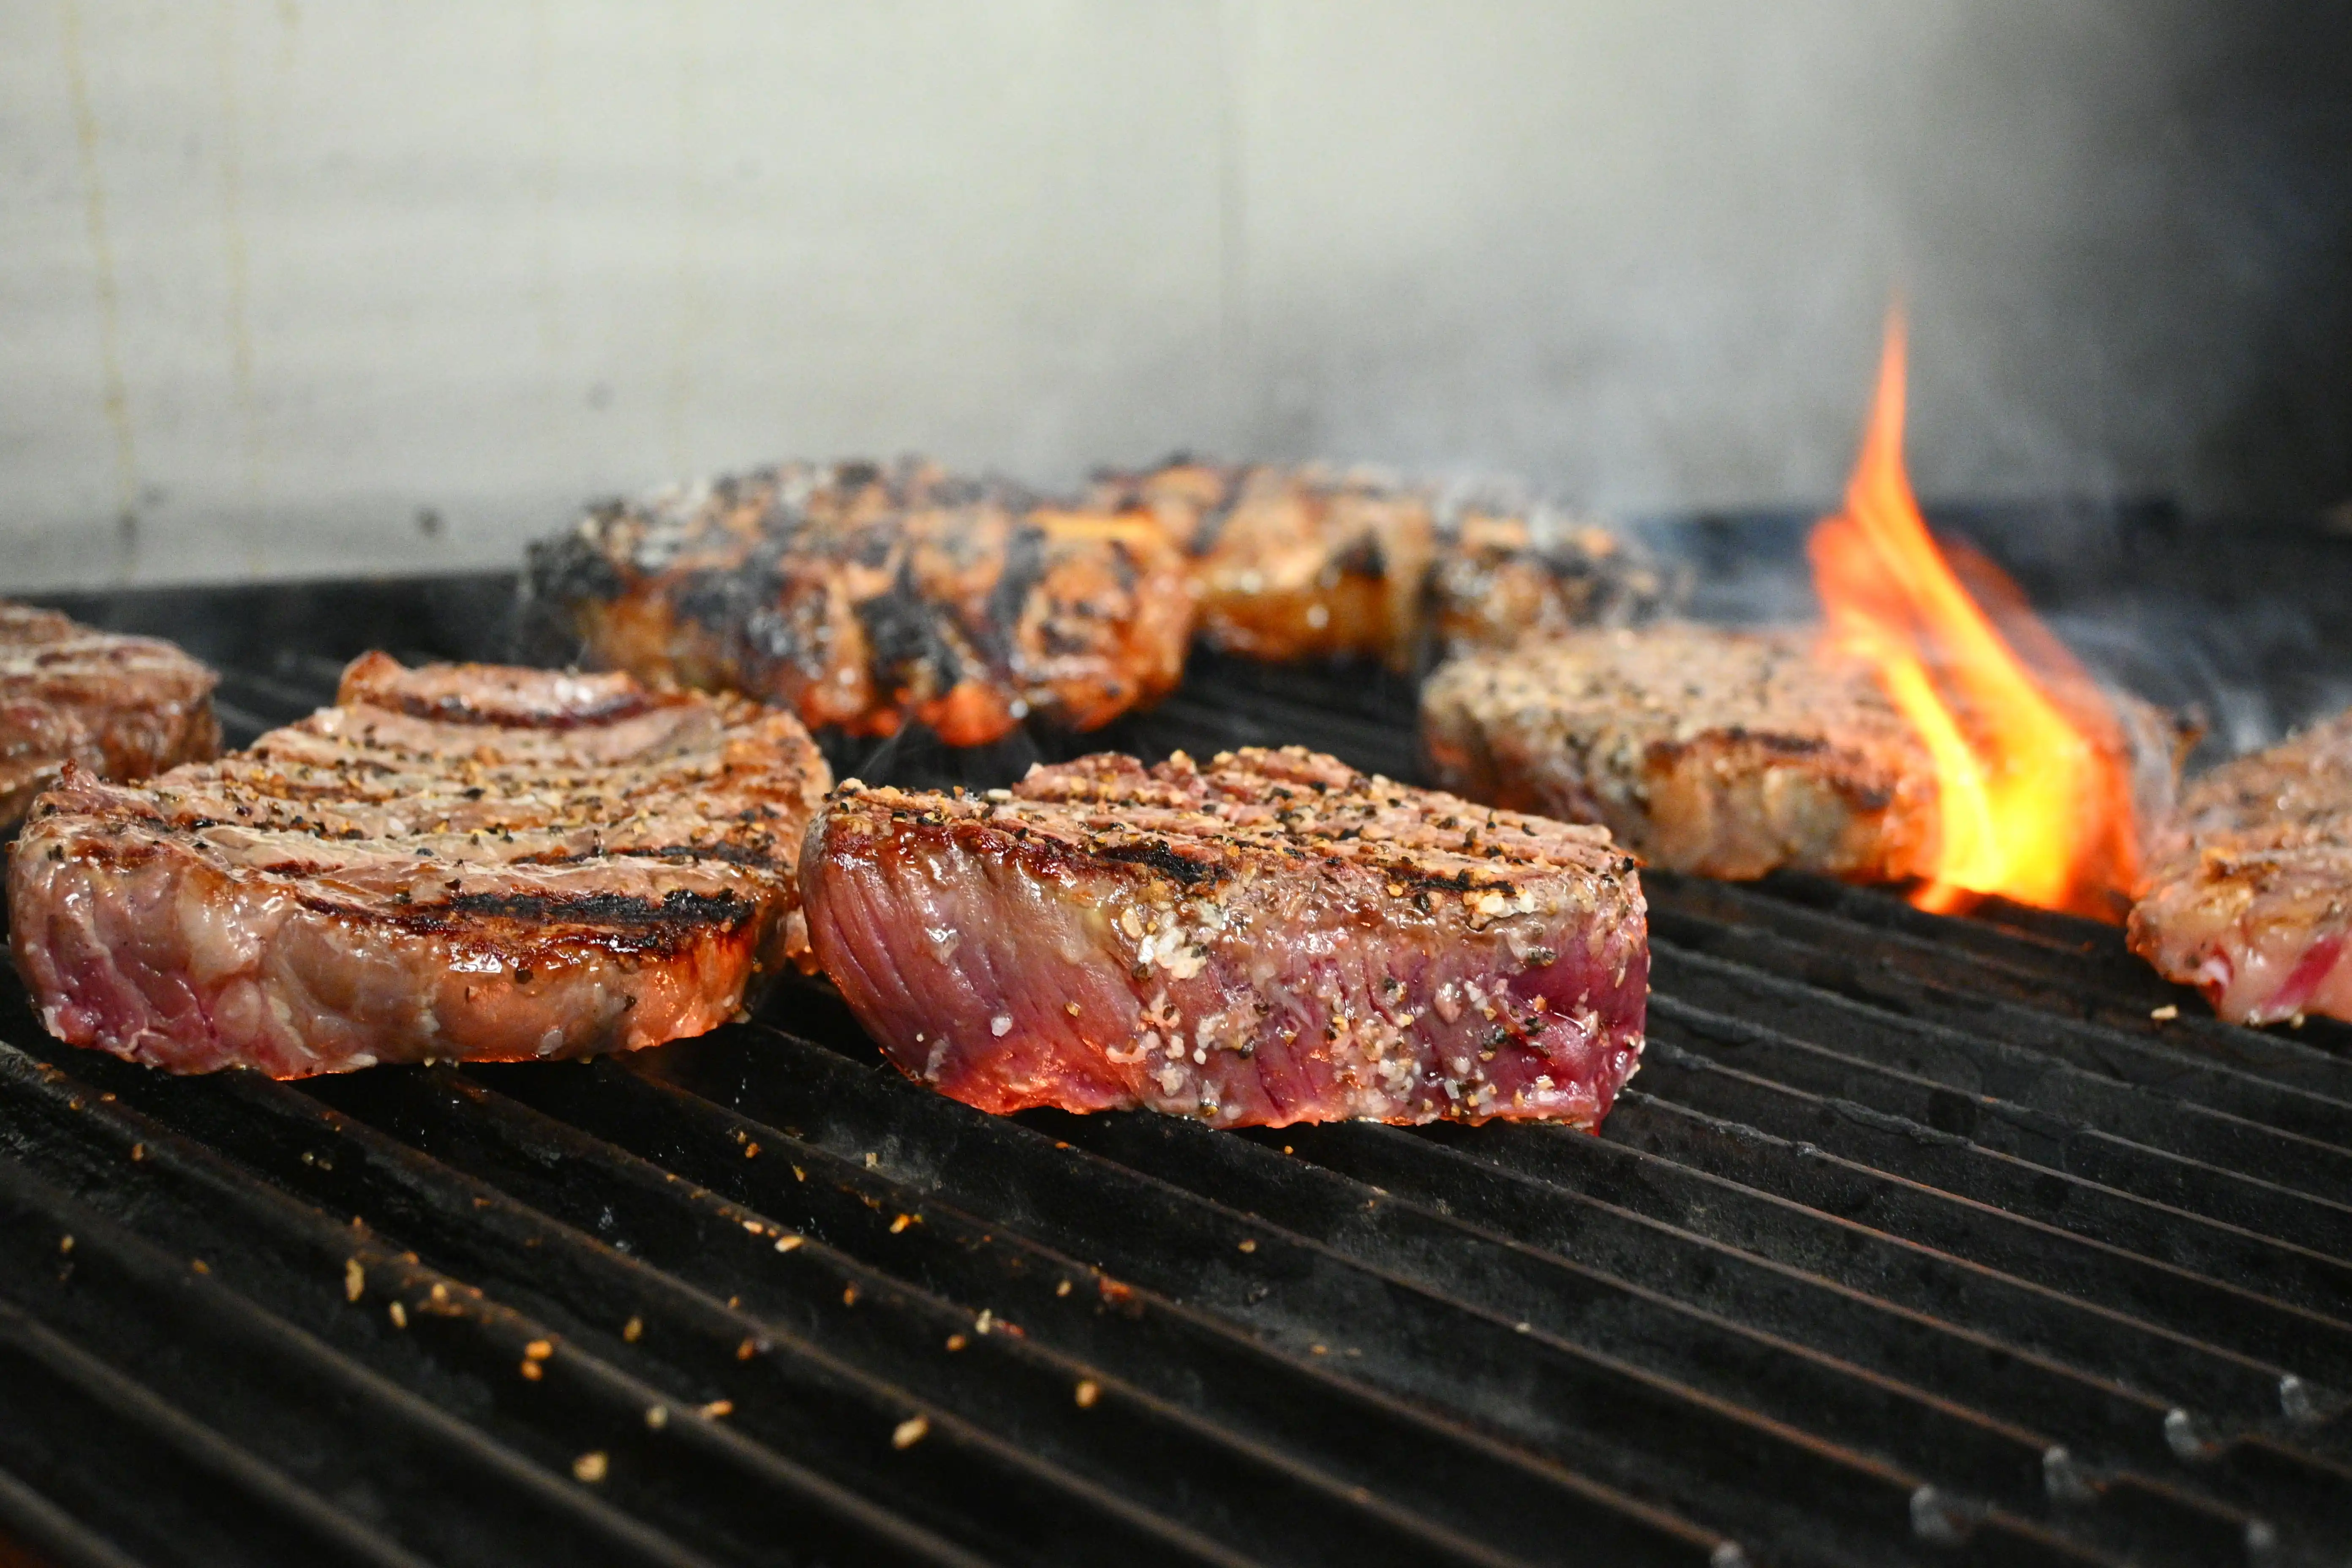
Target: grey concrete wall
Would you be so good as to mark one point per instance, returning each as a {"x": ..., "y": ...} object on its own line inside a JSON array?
[{"x": 290, "y": 287}]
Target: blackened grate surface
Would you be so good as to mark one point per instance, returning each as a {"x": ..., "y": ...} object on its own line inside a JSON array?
[{"x": 1918, "y": 1241}]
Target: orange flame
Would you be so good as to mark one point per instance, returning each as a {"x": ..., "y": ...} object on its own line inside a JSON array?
[{"x": 2033, "y": 792}]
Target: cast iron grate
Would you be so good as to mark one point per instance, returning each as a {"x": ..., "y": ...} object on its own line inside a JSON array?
[{"x": 1919, "y": 1240}]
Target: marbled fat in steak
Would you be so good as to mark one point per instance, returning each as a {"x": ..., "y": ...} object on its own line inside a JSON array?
[
  {"x": 1269, "y": 939},
  {"x": 121, "y": 708},
  {"x": 454, "y": 862}
]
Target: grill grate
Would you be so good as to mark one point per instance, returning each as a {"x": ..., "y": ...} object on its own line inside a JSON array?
[{"x": 1919, "y": 1240}]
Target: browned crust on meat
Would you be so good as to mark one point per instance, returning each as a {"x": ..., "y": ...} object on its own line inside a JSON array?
[
  {"x": 1317, "y": 943},
  {"x": 865, "y": 598},
  {"x": 1727, "y": 754},
  {"x": 1320, "y": 562},
  {"x": 569, "y": 865}
]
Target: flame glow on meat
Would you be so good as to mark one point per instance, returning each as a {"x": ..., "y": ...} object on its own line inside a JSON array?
[{"x": 2034, "y": 781}]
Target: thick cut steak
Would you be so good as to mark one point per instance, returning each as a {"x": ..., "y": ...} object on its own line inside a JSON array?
[
  {"x": 454, "y": 862},
  {"x": 1318, "y": 563},
  {"x": 1271, "y": 939},
  {"x": 121, "y": 708},
  {"x": 2250, "y": 895},
  {"x": 1727, "y": 754},
  {"x": 863, "y": 597}
]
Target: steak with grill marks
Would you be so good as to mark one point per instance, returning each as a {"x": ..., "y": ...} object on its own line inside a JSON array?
[
  {"x": 863, "y": 597},
  {"x": 1727, "y": 754},
  {"x": 120, "y": 707},
  {"x": 1268, "y": 939},
  {"x": 454, "y": 862},
  {"x": 2250, "y": 895}
]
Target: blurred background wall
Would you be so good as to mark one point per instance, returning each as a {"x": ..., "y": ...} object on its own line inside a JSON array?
[{"x": 290, "y": 287}]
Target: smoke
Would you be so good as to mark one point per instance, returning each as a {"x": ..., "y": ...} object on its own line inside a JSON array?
[{"x": 2124, "y": 233}]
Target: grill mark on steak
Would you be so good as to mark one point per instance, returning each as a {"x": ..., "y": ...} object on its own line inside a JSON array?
[
  {"x": 340, "y": 893},
  {"x": 123, "y": 708},
  {"x": 679, "y": 904},
  {"x": 1159, "y": 858},
  {"x": 1266, "y": 939}
]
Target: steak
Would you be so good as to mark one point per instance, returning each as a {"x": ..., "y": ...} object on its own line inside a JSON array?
[
  {"x": 1292, "y": 563},
  {"x": 863, "y": 598},
  {"x": 1270, "y": 938},
  {"x": 454, "y": 862},
  {"x": 119, "y": 707},
  {"x": 1318, "y": 562},
  {"x": 1727, "y": 754},
  {"x": 2250, "y": 895}
]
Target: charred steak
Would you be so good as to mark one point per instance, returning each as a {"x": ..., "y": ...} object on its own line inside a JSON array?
[
  {"x": 1292, "y": 563},
  {"x": 862, "y": 598},
  {"x": 2250, "y": 895},
  {"x": 1728, "y": 753},
  {"x": 121, "y": 708},
  {"x": 1270, "y": 938},
  {"x": 454, "y": 862},
  {"x": 1316, "y": 561}
]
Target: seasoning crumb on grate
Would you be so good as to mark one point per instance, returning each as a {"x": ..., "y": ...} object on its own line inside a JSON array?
[
  {"x": 1249, "y": 1244},
  {"x": 985, "y": 1321},
  {"x": 398, "y": 1314},
  {"x": 902, "y": 1222},
  {"x": 539, "y": 1350},
  {"x": 355, "y": 1280},
  {"x": 957, "y": 1342},
  {"x": 139, "y": 1150},
  {"x": 64, "y": 1244},
  {"x": 631, "y": 1330},
  {"x": 751, "y": 1151},
  {"x": 658, "y": 1416},
  {"x": 911, "y": 1432},
  {"x": 787, "y": 1243},
  {"x": 746, "y": 1351},
  {"x": 849, "y": 1296},
  {"x": 200, "y": 1266},
  {"x": 529, "y": 1370},
  {"x": 590, "y": 1467},
  {"x": 2165, "y": 1014},
  {"x": 719, "y": 1407},
  {"x": 752, "y": 1225},
  {"x": 1088, "y": 1392},
  {"x": 1062, "y": 1288}
]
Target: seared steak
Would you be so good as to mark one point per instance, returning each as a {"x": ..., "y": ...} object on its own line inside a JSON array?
[
  {"x": 1728, "y": 753},
  {"x": 1271, "y": 939},
  {"x": 2250, "y": 895},
  {"x": 1292, "y": 563},
  {"x": 1316, "y": 562},
  {"x": 863, "y": 598},
  {"x": 456, "y": 862},
  {"x": 1509, "y": 569},
  {"x": 121, "y": 707}
]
